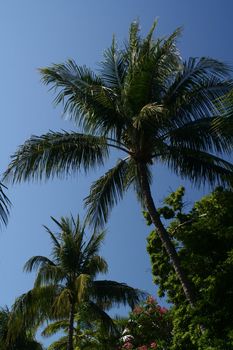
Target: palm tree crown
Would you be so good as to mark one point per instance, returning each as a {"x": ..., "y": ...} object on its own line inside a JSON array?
[
  {"x": 147, "y": 103},
  {"x": 150, "y": 105}
]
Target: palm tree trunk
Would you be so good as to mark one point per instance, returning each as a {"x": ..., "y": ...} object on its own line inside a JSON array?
[
  {"x": 71, "y": 327},
  {"x": 164, "y": 236}
]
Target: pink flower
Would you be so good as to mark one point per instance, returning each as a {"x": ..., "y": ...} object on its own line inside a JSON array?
[
  {"x": 153, "y": 345},
  {"x": 143, "y": 347},
  {"x": 128, "y": 345},
  {"x": 162, "y": 310}
]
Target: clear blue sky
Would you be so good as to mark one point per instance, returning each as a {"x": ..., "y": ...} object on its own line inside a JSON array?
[{"x": 37, "y": 33}]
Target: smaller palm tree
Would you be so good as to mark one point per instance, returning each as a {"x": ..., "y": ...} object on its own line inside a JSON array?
[{"x": 65, "y": 283}]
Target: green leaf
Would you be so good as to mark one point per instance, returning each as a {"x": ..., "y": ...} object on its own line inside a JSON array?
[{"x": 56, "y": 154}]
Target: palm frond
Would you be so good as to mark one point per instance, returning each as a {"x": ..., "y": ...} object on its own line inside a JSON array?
[
  {"x": 134, "y": 43},
  {"x": 92, "y": 247},
  {"x": 81, "y": 286},
  {"x": 150, "y": 118},
  {"x": 4, "y": 205},
  {"x": 55, "y": 327},
  {"x": 167, "y": 62},
  {"x": 55, "y": 241},
  {"x": 147, "y": 75},
  {"x": 4, "y": 323},
  {"x": 204, "y": 102},
  {"x": 96, "y": 264},
  {"x": 60, "y": 344},
  {"x": 61, "y": 304},
  {"x": 35, "y": 306},
  {"x": 49, "y": 274},
  {"x": 197, "y": 88},
  {"x": 70, "y": 254},
  {"x": 105, "y": 193},
  {"x": 92, "y": 105},
  {"x": 114, "y": 66},
  {"x": 37, "y": 262},
  {"x": 196, "y": 70},
  {"x": 57, "y": 154},
  {"x": 197, "y": 166},
  {"x": 110, "y": 293},
  {"x": 213, "y": 134},
  {"x": 96, "y": 313}
]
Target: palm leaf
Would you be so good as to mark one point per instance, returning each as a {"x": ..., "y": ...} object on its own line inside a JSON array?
[
  {"x": 198, "y": 86},
  {"x": 105, "y": 193},
  {"x": 113, "y": 68},
  {"x": 207, "y": 134},
  {"x": 197, "y": 166},
  {"x": 49, "y": 273},
  {"x": 95, "y": 265},
  {"x": 34, "y": 306},
  {"x": 142, "y": 81},
  {"x": 82, "y": 283},
  {"x": 52, "y": 235},
  {"x": 56, "y": 154},
  {"x": 4, "y": 205},
  {"x": 167, "y": 62},
  {"x": 37, "y": 262},
  {"x": 110, "y": 293},
  {"x": 196, "y": 71},
  {"x": 151, "y": 115},
  {"x": 92, "y": 247},
  {"x": 91, "y": 104},
  {"x": 198, "y": 104},
  {"x": 61, "y": 304},
  {"x": 60, "y": 344},
  {"x": 55, "y": 327},
  {"x": 96, "y": 313}
]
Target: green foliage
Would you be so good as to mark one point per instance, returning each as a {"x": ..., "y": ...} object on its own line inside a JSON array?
[
  {"x": 204, "y": 241},
  {"x": 14, "y": 335},
  {"x": 175, "y": 199}
]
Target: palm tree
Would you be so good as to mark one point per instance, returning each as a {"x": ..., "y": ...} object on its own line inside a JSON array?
[
  {"x": 14, "y": 335},
  {"x": 151, "y": 106},
  {"x": 65, "y": 283}
]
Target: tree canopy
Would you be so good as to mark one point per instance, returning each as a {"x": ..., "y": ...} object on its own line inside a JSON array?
[{"x": 203, "y": 238}]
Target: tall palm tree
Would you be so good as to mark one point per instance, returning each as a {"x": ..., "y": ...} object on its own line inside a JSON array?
[
  {"x": 151, "y": 106},
  {"x": 14, "y": 335},
  {"x": 65, "y": 283}
]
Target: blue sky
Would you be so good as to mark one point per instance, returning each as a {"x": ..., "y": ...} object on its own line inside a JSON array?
[{"x": 35, "y": 34}]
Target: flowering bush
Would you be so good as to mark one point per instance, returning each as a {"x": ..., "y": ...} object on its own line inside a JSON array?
[
  {"x": 148, "y": 327},
  {"x": 129, "y": 345}
]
